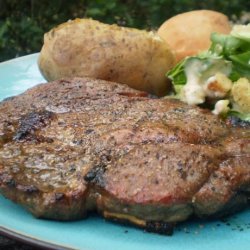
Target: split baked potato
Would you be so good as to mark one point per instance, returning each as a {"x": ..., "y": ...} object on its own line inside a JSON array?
[{"x": 85, "y": 47}]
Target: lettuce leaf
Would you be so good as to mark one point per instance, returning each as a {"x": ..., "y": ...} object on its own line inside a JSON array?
[
  {"x": 226, "y": 47},
  {"x": 177, "y": 74},
  {"x": 232, "y": 51}
]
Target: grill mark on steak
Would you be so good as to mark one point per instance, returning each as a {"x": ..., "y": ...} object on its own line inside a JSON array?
[
  {"x": 160, "y": 227},
  {"x": 30, "y": 123},
  {"x": 106, "y": 147},
  {"x": 96, "y": 175}
]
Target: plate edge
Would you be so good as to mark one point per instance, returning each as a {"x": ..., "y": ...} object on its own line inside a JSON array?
[
  {"x": 19, "y": 58},
  {"x": 31, "y": 240}
]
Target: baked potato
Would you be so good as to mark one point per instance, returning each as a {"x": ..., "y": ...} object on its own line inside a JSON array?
[
  {"x": 85, "y": 47},
  {"x": 189, "y": 33}
]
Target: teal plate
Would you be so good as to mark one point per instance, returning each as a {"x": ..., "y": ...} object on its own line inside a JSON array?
[{"x": 94, "y": 233}]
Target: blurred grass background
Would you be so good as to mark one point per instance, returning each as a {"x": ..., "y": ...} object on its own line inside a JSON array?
[{"x": 23, "y": 22}]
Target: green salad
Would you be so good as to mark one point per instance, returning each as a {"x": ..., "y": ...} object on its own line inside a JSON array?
[{"x": 219, "y": 76}]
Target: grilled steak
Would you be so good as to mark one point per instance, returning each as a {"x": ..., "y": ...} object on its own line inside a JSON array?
[{"x": 73, "y": 146}]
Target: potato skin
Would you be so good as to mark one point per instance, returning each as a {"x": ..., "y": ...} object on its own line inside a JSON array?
[
  {"x": 189, "y": 33},
  {"x": 85, "y": 47}
]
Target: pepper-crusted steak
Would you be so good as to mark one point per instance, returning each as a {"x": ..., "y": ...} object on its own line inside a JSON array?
[{"x": 73, "y": 146}]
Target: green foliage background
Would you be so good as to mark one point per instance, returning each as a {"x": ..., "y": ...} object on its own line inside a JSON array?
[{"x": 23, "y": 22}]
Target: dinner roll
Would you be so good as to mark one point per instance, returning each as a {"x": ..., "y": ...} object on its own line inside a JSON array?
[{"x": 189, "y": 33}]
